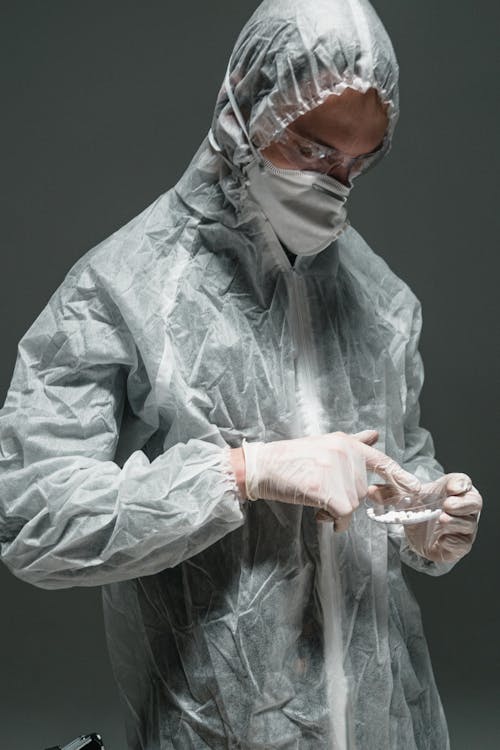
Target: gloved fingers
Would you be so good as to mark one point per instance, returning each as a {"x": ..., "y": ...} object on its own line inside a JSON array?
[
  {"x": 455, "y": 542},
  {"x": 337, "y": 507},
  {"x": 369, "y": 437},
  {"x": 324, "y": 517},
  {"x": 457, "y": 483},
  {"x": 457, "y": 524},
  {"x": 464, "y": 505},
  {"x": 342, "y": 497},
  {"x": 382, "y": 493},
  {"x": 340, "y": 524},
  {"x": 447, "y": 554},
  {"x": 333, "y": 506},
  {"x": 389, "y": 469}
]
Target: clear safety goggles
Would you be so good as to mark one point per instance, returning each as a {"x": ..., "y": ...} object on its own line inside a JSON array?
[{"x": 316, "y": 157}]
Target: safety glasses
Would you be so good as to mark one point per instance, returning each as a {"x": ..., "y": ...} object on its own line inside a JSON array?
[{"x": 316, "y": 157}]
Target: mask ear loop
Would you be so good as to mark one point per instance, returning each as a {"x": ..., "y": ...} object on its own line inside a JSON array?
[
  {"x": 240, "y": 173},
  {"x": 217, "y": 148},
  {"x": 241, "y": 123},
  {"x": 238, "y": 114}
]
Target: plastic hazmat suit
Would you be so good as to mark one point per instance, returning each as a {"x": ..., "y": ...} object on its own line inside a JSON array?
[{"x": 231, "y": 624}]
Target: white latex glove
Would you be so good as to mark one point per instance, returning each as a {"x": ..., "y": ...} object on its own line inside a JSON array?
[
  {"x": 328, "y": 472},
  {"x": 451, "y": 535}
]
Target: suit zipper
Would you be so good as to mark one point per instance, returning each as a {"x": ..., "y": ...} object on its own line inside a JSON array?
[{"x": 329, "y": 581}]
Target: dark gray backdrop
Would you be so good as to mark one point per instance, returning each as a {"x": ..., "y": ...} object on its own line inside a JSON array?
[{"x": 104, "y": 105}]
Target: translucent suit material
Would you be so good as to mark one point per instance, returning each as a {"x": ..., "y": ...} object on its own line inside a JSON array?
[{"x": 231, "y": 624}]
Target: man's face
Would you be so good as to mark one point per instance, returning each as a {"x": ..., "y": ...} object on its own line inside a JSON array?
[{"x": 352, "y": 122}]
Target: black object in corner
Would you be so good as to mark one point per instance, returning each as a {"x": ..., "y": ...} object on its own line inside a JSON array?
[{"x": 83, "y": 742}]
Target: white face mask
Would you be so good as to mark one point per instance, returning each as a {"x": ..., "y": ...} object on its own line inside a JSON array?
[{"x": 305, "y": 209}]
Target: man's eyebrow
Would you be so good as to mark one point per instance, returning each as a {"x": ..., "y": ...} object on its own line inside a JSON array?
[{"x": 306, "y": 134}]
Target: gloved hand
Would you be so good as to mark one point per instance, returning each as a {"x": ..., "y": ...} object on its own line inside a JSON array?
[
  {"x": 451, "y": 535},
  {"x": 328, "y": 472}
]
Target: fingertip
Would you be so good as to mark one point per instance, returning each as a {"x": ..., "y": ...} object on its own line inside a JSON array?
[
  {"x": 381, "y": 493},
  {"x": 369, "y": 437},
  {"x": 340, "y": 527},
  {"x": 458, "y": 483},
  {"x": 323, "y": 517}
]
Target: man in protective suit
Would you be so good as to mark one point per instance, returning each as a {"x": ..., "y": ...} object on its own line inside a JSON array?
[{"x": 192, "y": 424}]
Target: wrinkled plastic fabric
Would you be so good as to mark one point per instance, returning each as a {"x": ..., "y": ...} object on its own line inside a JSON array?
[{"x": 231, "y": 624}]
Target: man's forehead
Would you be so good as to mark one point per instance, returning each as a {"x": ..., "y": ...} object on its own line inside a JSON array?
[
  {"x": 344, "y": 116},
  {"x": 348, "y": 106}
]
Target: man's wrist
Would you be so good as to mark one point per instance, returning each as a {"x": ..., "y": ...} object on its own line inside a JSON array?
[{"x": 238, "y": 465}]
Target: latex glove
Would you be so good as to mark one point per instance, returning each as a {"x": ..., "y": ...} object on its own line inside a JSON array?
[
  {"x": 328, "y": 472},
  {"x": 451, "y": 535}
]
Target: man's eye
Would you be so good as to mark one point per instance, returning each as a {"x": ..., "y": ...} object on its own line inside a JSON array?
[{"x": 307, "y": 151}]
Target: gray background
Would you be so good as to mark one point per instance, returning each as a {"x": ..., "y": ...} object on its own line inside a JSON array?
[{"x": 104, "y": 105}]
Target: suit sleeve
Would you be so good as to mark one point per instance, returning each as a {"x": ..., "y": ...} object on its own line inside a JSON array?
[
  {"x": 69, "y": 514},
  {"x": 419, "y": 458}
]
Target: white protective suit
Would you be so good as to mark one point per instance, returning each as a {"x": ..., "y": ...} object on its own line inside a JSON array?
[{"x": 231, "y": 624}]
